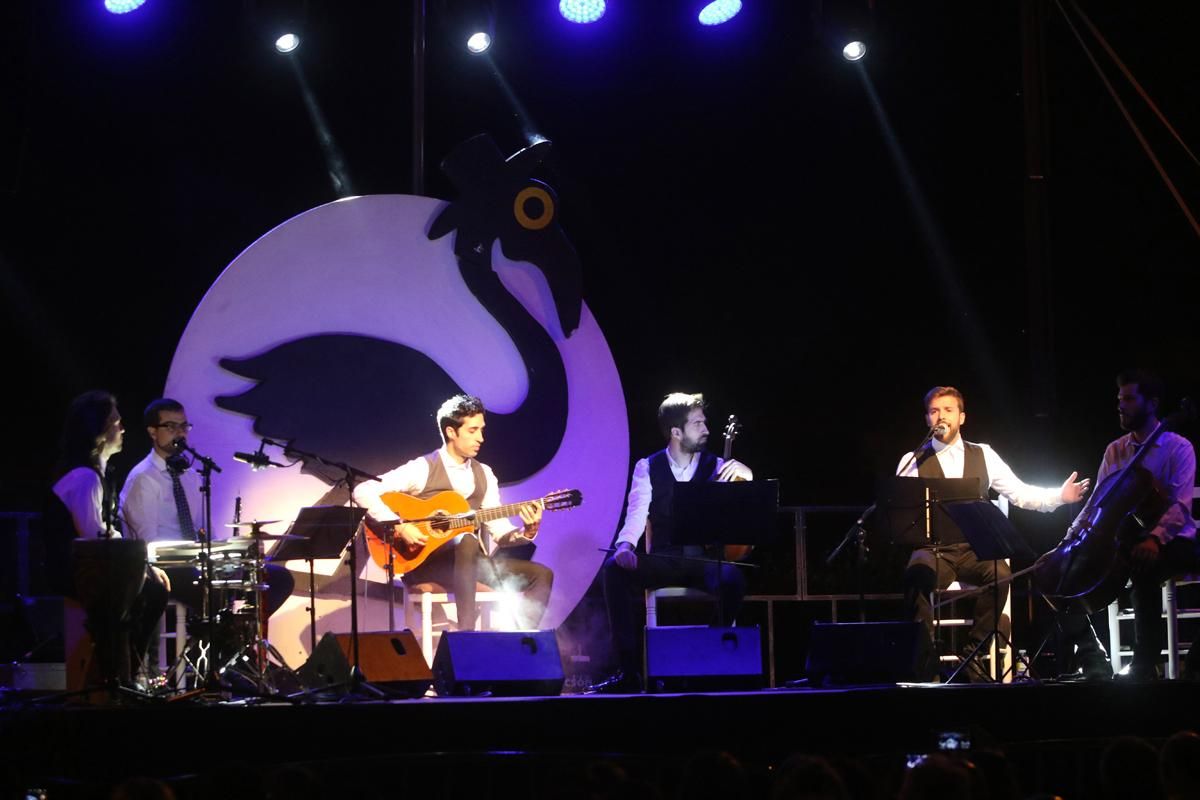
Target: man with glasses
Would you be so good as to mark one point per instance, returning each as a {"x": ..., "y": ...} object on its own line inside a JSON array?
[
  {"x": 161, "y": 497},
  {"x": 161, "y": 501}
]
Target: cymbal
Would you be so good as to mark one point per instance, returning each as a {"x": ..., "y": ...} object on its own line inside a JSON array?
[{"x": 252, "y": 524}]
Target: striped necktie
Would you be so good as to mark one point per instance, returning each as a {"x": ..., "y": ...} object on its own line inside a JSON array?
[{"x": 181, "y": 507}]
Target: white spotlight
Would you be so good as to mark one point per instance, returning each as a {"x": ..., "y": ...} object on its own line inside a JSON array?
[
  {"x": 287, "y": 43},
  {"x": 854, "y": 51},
  {"x": 479, "y": 42}
]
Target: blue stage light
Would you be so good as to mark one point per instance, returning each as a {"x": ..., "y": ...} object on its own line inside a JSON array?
[
  {"x": 122, "y": 6},
  {"x": 719, "y": 11},
  {"x": 581, "y": 11}
]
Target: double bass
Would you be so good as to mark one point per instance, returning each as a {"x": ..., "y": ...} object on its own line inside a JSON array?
[{"x": 1089, "y": 567}]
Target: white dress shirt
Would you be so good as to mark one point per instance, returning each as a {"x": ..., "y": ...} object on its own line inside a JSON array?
[
  {"x": 83, "y": 494},
  {"x": 148, "y": 501},
  {"x": 1172, "y": 462},
  {"x": 952, "y": 458},
  {"x": 411, "y": 478}
]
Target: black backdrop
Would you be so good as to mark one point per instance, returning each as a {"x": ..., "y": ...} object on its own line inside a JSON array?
[{"x": 744, "y": 227}]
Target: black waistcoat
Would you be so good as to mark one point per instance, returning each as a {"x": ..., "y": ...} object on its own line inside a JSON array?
[
  {"x": 439, "y": 480},
  {"x": 662, "y": 489}
]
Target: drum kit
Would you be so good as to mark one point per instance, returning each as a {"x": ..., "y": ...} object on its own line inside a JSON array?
[{"x": 227, "y": 647}]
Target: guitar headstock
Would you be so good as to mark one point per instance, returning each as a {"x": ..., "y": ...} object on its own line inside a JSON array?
[
  {"x": 562, "y": 499},
  {"x": 732, "y": 428}
]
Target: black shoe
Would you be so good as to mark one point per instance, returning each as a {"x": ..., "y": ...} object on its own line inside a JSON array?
[
  {"x": 620, "y": 682},
  {"x": 1095, "y": 668},
  {"x": 1139, "y": 673},
  {"x": 973, "y": 668}
]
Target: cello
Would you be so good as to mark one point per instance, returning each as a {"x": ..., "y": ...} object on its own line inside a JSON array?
[
  {"x": 734, "y": 552},
  {"x": 1089, "y": 567}
]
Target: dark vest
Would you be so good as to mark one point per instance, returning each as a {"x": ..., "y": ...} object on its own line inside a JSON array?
[
  {"x": 439, "y": 480},
  {"x": 974, "y": 466},
  {"x": 662, "y": 489}
]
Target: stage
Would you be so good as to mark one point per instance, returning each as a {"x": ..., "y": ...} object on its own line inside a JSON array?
[{"x": 483, "y": 747}]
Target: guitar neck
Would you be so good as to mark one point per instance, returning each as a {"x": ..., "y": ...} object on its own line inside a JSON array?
[{"x": 499, "y": 512}]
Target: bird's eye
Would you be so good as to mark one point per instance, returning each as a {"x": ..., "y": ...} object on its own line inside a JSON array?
[{"x": 533, "y": 208}]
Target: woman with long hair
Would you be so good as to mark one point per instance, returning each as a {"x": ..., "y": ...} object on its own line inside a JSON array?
[{"x": 124, "y": 596}]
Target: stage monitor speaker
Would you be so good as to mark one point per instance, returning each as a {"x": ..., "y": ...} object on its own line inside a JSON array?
[
  {"x": 701, "y": 658},
  {"x": 498, "y": 663},
  {"x": 849, "y": 653},
  {"x": 392, "y": 662}
]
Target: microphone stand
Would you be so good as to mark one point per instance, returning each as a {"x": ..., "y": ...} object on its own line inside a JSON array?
[
  {"x": 912, "y": 456},
  {"x": 352, "y": 476},
  {"x": 858, "y": 535},
  {"x": 937, "y": 578},
  {"x": 204, "y": 536}
]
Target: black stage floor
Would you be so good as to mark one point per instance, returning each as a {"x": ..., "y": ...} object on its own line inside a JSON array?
[{"x": 476, "y": 745}]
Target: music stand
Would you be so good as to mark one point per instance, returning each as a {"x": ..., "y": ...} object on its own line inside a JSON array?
[
  {"x": 912, "y": 512},
  {"x": 720, "y": 512},
  {"x": 992, "y": 537},
  {"x": 904, "y": 501},
  {"x": 324, "y": 532},
  {"x": 707, "y": 513}
]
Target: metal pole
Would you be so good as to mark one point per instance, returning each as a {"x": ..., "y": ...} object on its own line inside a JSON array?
[
  {"x": 1039, "y": 268},
  {"x": 418, "y": 98}
]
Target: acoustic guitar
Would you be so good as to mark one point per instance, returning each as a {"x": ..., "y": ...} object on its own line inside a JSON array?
[{"x": 441, "y": 518}]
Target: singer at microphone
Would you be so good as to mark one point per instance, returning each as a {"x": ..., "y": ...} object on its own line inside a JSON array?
[{"x": 945, "y": 454}]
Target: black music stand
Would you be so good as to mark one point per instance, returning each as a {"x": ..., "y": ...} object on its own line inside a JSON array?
[
  {"x": 992, "y": 537},
  {"x": 903, "y": 503},
  {"x": 913, "y": 513},
  {"x": 324, "y": 532},
  {"x": 708, "y": 513},
  {"x": 720, "y": 512}
]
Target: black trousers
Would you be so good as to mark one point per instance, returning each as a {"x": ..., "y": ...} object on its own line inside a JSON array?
[
  {"x": 1177, "y": 557},
  {"x": 459, "y": 566},
  {"x": 624, "y": 588},
  {"x": 955, "y": 562}
]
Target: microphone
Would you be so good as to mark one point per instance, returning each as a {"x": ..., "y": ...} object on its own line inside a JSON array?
[
  {"x": 181, "y": 446},
  {"x": 940, "y": 429},
  {"x": 177, "y": 462},
  {"x": 257, "y": 461}
]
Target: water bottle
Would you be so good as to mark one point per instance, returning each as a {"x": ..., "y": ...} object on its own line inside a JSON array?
[{"x": 1021, "y": 667}]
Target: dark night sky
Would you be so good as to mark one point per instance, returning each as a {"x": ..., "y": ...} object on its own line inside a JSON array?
[{"x": 743, "y": 225}]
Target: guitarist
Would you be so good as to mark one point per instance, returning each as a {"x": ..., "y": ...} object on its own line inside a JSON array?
[
  {"x": 1170, "y": 545},
  {"x": 626, "y": 574},
  {"x": 460, "y": 564}
]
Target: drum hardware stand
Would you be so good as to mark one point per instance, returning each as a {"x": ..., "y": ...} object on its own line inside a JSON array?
[
  {"x": 206, "y": 677},
  {"x": 259, "y": 651}
]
